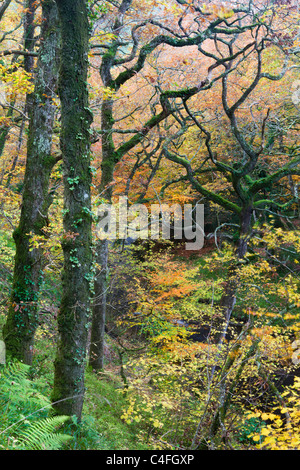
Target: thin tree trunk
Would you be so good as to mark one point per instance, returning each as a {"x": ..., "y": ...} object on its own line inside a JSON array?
[
  {"x": 28, "y": 61},
  {"x": 29, "y": 41},
  {"x": 22, "y": 319},
  {"x": 226, "y": 398},
  {"x": 4, "y": 130},
  {"x": 227, "y": 303},
  {"x": 245, "y": 231},
  {"x": 76, "y": 119},
  {"x": 96, "y": 359}
]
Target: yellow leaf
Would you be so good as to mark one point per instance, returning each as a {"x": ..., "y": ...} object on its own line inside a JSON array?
[
  {"x": 284, "y": 410},
  {"x": 270, "y": 416}
]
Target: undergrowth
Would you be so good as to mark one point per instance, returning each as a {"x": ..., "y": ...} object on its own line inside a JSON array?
[
  {"x": 25, "y": 420},
  {"x": 166, "y": 382}
]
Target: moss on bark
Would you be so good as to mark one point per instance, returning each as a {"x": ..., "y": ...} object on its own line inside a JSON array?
[
  {"x": 76, "y": 118},
  {"x": 22, "y": 319}
]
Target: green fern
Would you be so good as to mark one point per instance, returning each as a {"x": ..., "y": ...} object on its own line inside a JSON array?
[
  {"x": 19, "y": 396},
  {"x": 25, "y": 423},
  {"x": 42, "y": 435}
]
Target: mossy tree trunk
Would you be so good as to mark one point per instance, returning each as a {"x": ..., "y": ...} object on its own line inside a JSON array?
[
  {"x": 22, "y": 319},
  {"x": 76, "y": 119}
]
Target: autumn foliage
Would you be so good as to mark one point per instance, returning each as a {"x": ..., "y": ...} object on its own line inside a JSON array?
[{"x": 185, "y": 102}]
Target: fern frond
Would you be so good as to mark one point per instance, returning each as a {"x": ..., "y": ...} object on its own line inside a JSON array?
[
  {"x": 42, "y": 435},
  {"x": 24, "y": 419},
  {"x": 14, "y": 371},
  {"x": 18, "y": 394}
]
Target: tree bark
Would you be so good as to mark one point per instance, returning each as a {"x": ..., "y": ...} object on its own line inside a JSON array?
[
  {"x": 76, "y": 119},
  {"x": 96, "y": 359},
  {"x": 245, "y": 230},
  {"x": 22, "y": 319}
]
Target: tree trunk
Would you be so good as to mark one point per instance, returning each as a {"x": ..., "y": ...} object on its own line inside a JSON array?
[
  {"x": 4, "y": 129},
  {"x": 29, "y": 30},
  {"x": 22, "y": 318},
  {"x": 96, "y": 360},
  {"x": 245, "y": 231},
  {"x": 29, "y": 42},
  {"x": 76, "y": 119}
]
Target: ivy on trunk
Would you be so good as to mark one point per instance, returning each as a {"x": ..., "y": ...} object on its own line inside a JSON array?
[{"x": 76, "y": 119}]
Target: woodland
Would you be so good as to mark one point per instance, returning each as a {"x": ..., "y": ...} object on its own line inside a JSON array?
[{"x": 141, "y": 343}]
